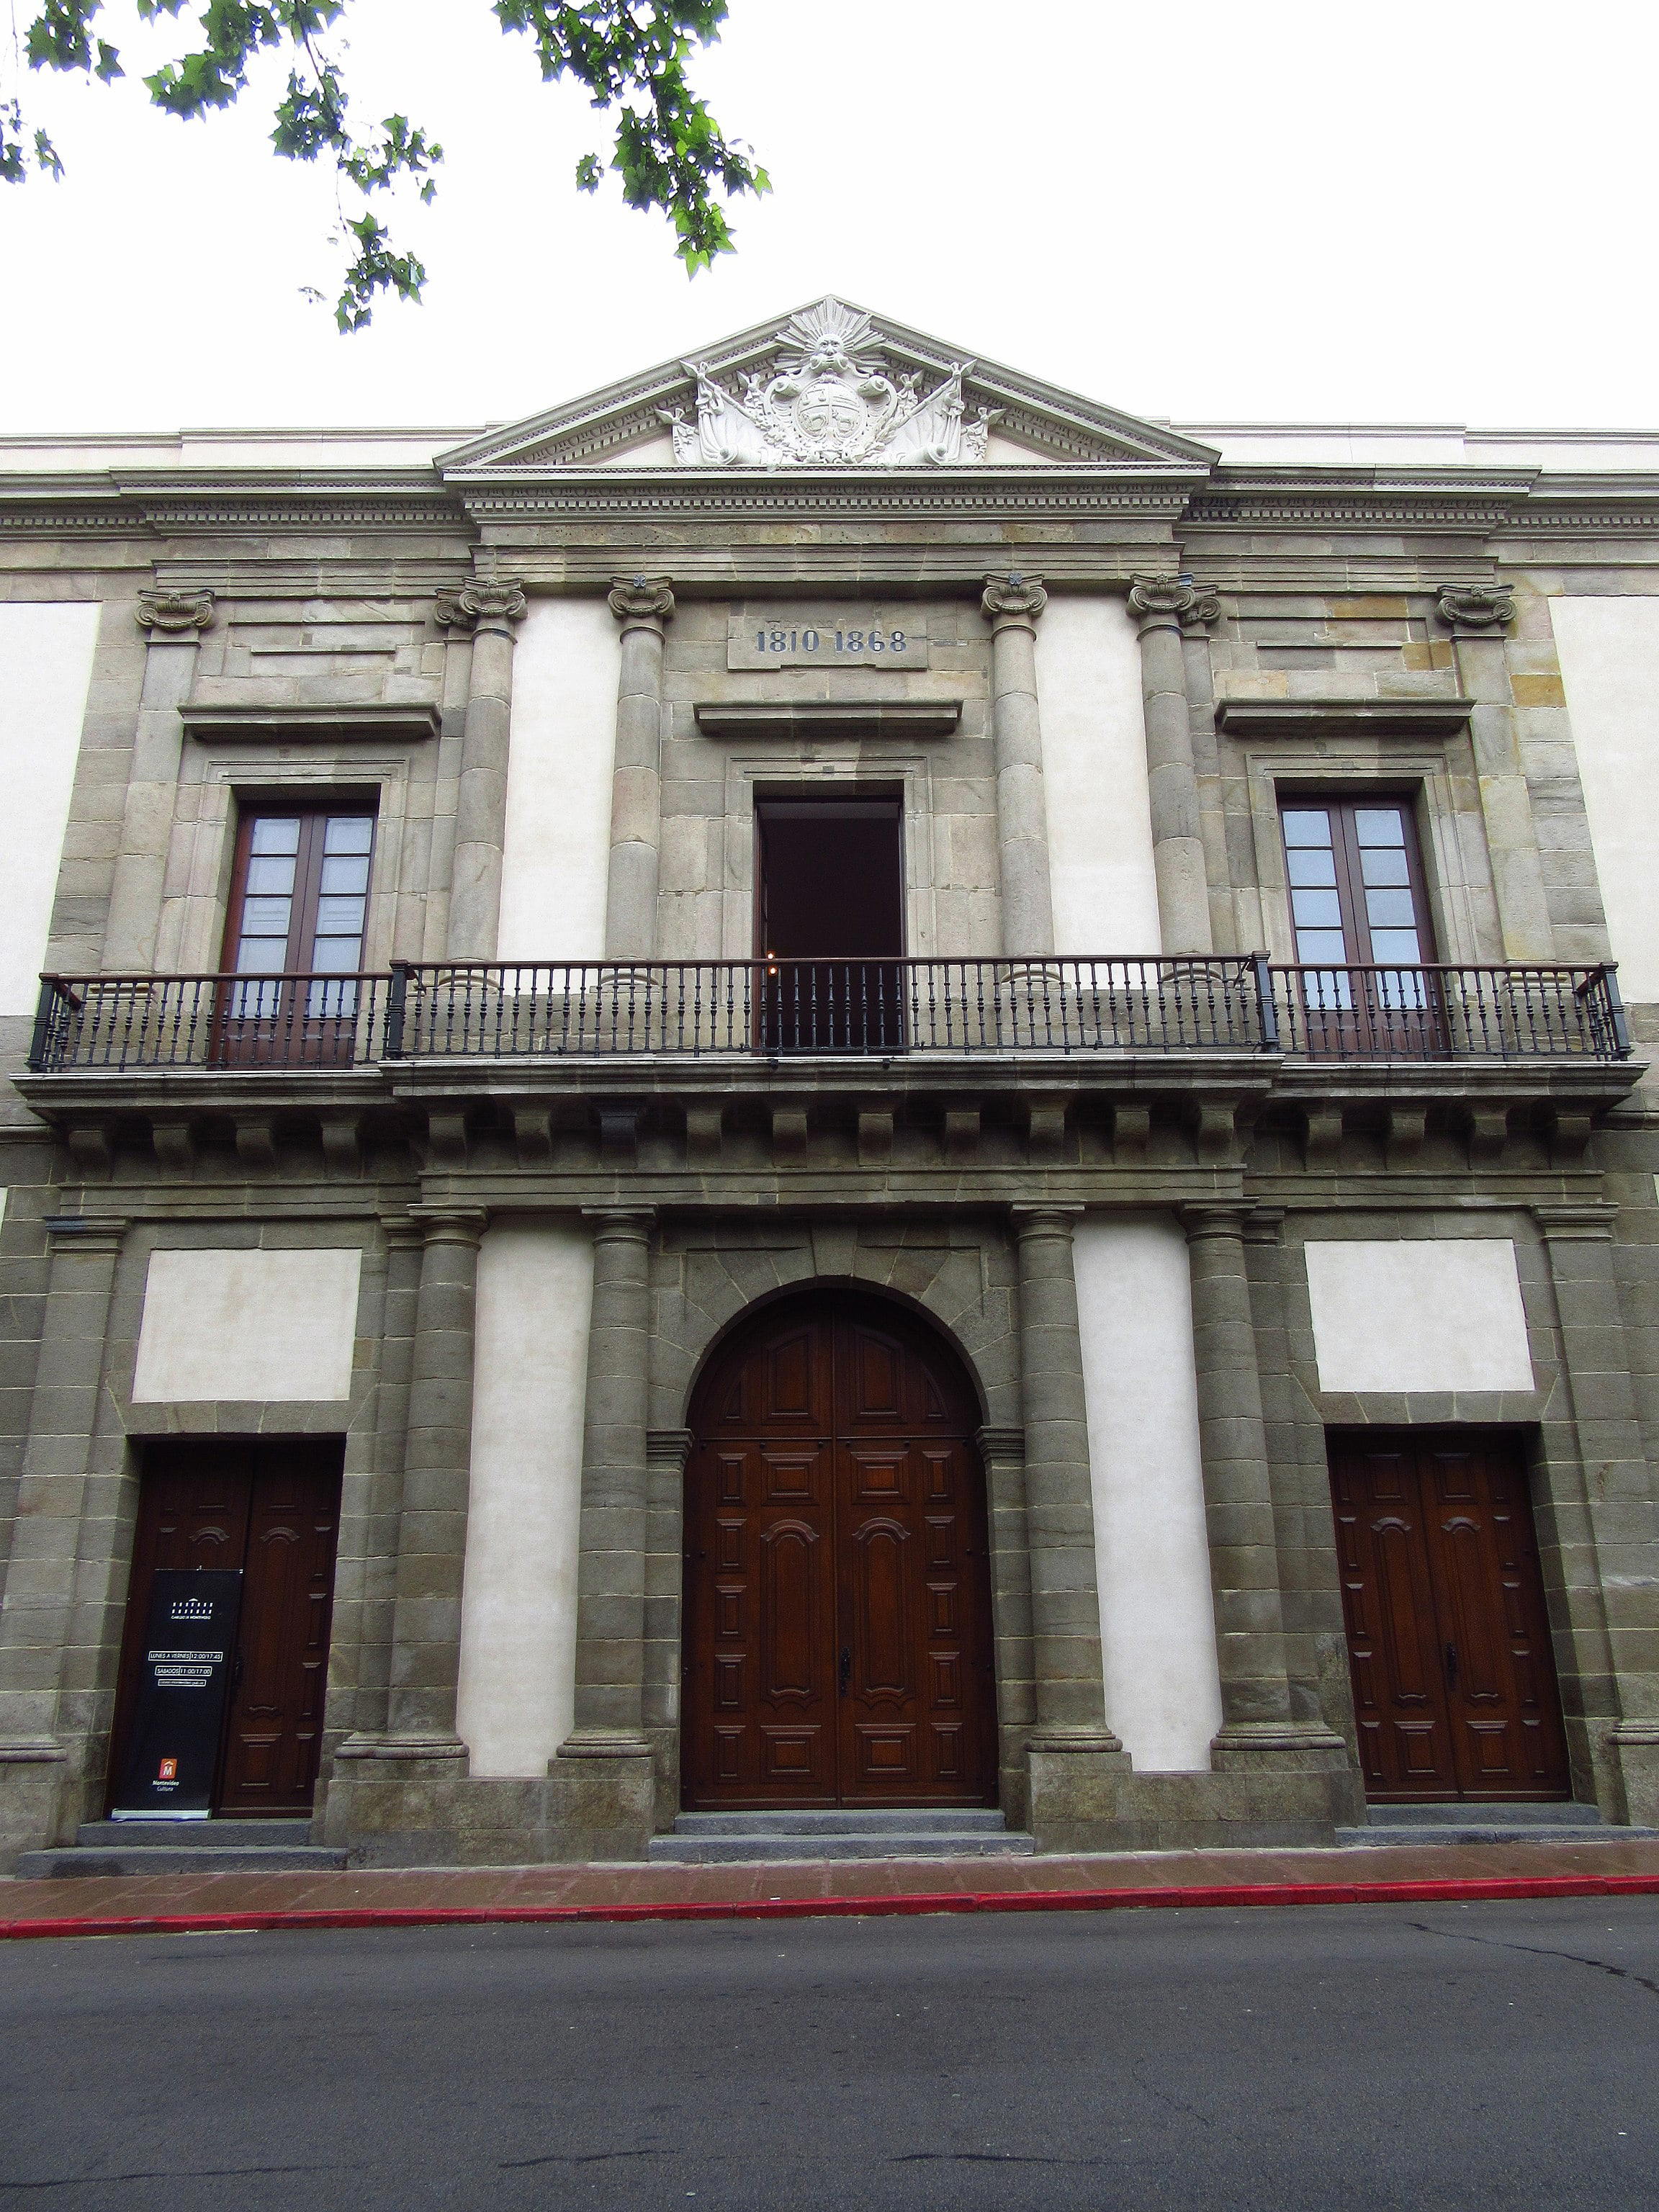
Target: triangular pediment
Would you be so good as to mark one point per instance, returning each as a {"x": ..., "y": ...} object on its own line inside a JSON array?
[{"x": 830, "y": 385}]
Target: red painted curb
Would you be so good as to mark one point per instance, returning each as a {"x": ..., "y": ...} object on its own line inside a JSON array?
[{"x": 1493, "y": 1887}]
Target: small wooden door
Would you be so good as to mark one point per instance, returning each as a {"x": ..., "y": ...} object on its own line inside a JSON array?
[
  {"x": 837, "y": 1588},
  {"x": 270, "y": 1511},
  {"x": 1453, "y": 1682}
]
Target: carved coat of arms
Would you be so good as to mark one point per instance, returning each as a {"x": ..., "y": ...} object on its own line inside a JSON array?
[{"x": 828, "y": 402}]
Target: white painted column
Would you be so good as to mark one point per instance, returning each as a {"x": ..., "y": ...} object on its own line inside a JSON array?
[
  {"x": 1151, "y": 1543},
  {"x": 516, "y": 1702}
]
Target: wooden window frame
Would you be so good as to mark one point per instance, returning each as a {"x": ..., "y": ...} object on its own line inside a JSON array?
[
  {"x": 311, "y": 809},
  {"x": 1343, "y": 801}
]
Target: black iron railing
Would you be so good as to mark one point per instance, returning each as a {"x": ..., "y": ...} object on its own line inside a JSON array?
[{"x": 861, "y": 1008}]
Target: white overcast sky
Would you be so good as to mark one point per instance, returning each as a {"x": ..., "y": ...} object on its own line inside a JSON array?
[{"x": 1214, "y": 211}]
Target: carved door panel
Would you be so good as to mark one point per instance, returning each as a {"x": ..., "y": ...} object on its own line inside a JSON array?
[
  {"x": 1453, "y": 1682},
  {"x": 270, "y": 1511},
  {"x": 837, "y": 1646}
]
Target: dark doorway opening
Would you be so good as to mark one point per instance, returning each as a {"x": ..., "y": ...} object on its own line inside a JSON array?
[
  {"x": 830, "y": 923},
  {"x": 1449, "y": 1640},
  {"x": 838, "y": 1634},
  {"x": 270, "y": 1511}
]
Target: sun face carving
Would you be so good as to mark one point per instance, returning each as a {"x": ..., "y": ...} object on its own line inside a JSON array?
[{"x": 828, "y": 402}]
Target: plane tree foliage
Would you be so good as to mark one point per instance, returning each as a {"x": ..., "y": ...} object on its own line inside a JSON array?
[{"x": 632, "y": 57}]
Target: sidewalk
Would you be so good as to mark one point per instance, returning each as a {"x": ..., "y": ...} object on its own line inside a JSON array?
[{"x": 136, "y": 1905}]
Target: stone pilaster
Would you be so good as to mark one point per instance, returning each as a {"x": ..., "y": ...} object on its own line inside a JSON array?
[
  {"x": 489, "y": 610},
  {"x": 1478, "y": 616},
  {"x": 173, "y": 622},
  {"x": 43, "y": 1750},
  {"x": 1012, "y": 604},
  {"x": 1260, "y": 1735},
  {"x": 1160, "y": 605},
  {"x": 604, "y": 1794},
  {"x": 1621, "y": 1501},
  {"x": 368, "y": 1710},
  {"x": 643, "y": 605}
]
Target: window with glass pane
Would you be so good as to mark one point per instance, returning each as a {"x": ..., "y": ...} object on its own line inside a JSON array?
[
  {"x": 300, "y": 903},
  {"x": 1355, "y": 883}
]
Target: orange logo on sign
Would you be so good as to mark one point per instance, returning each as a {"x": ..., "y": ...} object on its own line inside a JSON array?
[{"x": 169, "y": 1770}]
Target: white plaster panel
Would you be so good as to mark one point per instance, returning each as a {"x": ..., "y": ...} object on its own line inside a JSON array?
[
  {"x": 558, "y": 849},
  {"x": 1094, "y": 772},
  {"x": 1608, "y": 649},
  {"x": 518, "y": 1671},
  {"x": 1426, "y": 1314},
  {"x": 1151, "y": 1547},
  {"x": 45, "y": 667},
  {"x": 247, "y": 1325}
]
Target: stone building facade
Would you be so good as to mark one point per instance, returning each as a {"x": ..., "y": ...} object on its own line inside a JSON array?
[{"x": 957, "y": 1119}]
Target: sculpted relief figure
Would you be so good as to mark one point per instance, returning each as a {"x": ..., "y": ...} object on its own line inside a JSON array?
[{"x": 828, "y": 403}]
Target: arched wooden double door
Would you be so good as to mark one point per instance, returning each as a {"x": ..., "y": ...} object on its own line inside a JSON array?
[{"x": 838, "y": 1645}]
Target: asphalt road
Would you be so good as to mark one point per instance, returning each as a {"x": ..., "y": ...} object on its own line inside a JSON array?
[{"x": 1249, "y": 2060}]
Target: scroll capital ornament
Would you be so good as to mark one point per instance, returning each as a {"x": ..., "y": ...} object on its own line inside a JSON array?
[
  {"x": 173, "y": 614},
  {"x": 494, "y": 604},
  {"x": 1013, "y": 598},
  {"x": 1476, "y": 609},
  {"x": 636, "y": 600},
  {"x": 1165, "y": 603}
]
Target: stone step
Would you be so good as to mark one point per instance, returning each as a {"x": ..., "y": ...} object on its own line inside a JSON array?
[
  {"x": 67, "y": 1862},
  {"x": 887, "y": 1844},
  {"x": 1490, "y": 1831},
  {"x": 1512, "y": 1813},
  {"x": 847, "y": 1820},
  {"x": 191, "y": 1835}
]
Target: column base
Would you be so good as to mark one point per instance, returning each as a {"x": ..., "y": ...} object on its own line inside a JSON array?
[
  {"x": 37, "y": 1786},
  {"x": 1636, "y": 1747},
  {"x": 602, "y": 1796},
  {"x": 1270, "y": 1783}
]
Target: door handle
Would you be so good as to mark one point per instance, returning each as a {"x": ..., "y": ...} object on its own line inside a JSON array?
[
  {"x": 1451, "y": 1666},
  {"x": 845, "y": 1668}
]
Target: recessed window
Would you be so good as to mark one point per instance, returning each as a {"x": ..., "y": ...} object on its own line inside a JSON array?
[
  {"x": 300, "y": 896},
  {"x": 1356, "y": 883}
]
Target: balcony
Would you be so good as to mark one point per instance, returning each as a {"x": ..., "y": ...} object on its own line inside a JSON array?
[{"x": 782, "y": 1011}]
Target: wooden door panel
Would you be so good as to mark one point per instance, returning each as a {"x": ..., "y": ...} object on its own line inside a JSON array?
[
  {"x": 837, "y": 1643},
  {"x": 1454, "y": 1683}
]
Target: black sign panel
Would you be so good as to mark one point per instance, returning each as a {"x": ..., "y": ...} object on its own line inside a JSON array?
[{"x": 189, "y": 1649}]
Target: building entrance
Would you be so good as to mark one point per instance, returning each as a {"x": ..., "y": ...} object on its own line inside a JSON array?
[
  {"x": 1453, "y": 1682},
  {"x": 838, "y": 1639},
  {"x": 270, "y": 1511}
]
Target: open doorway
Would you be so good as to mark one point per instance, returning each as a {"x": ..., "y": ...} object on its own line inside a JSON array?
[{"x": 830, "y": 923}]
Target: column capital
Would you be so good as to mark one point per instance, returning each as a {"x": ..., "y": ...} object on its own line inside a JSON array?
[
  {"x": 642, "y": 602},
  {"x": 1013, "y": 600},
  {"x": 1167, "y": 602},
  {"x": 177, "y": 615},
  {"x": 450, "y": 1225},
  {"x": 1475, "y": 609},
  {"x": 490, "y": 605},
  {"x": 1044, "y": 1221},
  {"x": 1587, "y": 1223},
  {"x": 1205, "y": 1219},
  {"x": 611, "y": 1222}
]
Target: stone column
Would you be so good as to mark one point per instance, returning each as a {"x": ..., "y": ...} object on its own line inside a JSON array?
[
  {"x": 405, "y": 1244},
  {"x": 1478, "y": 615},
  {"x": 1256, "y": 1698},
  {"x": 1012, "y": 604},
  {"x": 1071, "y": 1698},
  {"x": 1159, "y": 605},
  {"x": 603, "y": 1799},
  {"x": 643, "y": 605},
  {"x": 426, "y": 1623},
  {"x": 475, "y": 893},
  {"x": 1621, "y": 1502},
  {"x": 43, "y": 1749},
  {"x": 174, "y": 621}
]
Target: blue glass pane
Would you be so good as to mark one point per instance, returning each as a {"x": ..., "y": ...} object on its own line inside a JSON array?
[
  {"x": 1317, "y": 910},
  {"x": 274, "y": 833},
  {"x": 1382, "y": 863},
  {"x": 275, "y": 874},
  {"x": 1390, "y": 910},
  {"x": 1392, "y": 946},
  {"x": 348, "y": 833},
  {"x": 1308, "y": 866},
  {"x": 1320, "y": 945},
  {"x": 1380, "y": 825},
  {"x": 1307, "y": 827}
]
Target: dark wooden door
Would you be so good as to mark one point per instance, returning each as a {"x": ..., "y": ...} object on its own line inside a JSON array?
[
  {"x": 837, "y": 1587},
  {"x": 272, "y": 1511},
  {"x": 1453, "y": 1682}
]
